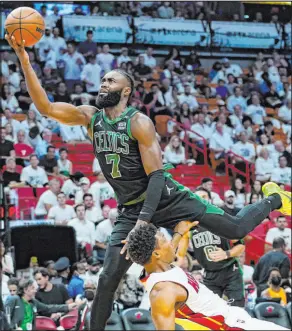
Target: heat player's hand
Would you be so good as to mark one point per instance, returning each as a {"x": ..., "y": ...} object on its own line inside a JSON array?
[
  {"x": 184, "y": 227},
  {"x": 19, "y": 49}
]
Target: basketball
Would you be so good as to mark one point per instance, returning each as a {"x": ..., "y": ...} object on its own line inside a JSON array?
[{"x": 25, "y": 23}]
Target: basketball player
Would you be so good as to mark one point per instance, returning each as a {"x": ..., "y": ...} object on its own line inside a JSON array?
[
  {"x": 125, "y": 144},
  {"x": 175, "y": 296}
]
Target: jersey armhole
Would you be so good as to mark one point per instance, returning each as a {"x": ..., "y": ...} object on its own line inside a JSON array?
[
  {"x": 90, "y": 125},
  {"x": 129, "y": 126}
]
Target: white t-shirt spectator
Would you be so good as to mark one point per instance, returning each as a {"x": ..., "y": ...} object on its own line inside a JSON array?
[
  {"x": 59, "y": 43},
  {"x": 281, "y": 175},
  {"x": 247, "y": 273},
  {"x": 216, "y": 200},
  {"x": 257, "y": 113},
  {"x": 10, "y": 103},
  {"x": 60, "y": 214},
  {"x": 204, "y": 130},
  {"x": 234, "y": 69},
  {"x": 285, "y": 113},
  {"x": 274, "y": 74},
  {"x": 246, "y": 150},
  {"x": 105, "y": 60},
  {"x": 233, "y": 100},
  {"x": 34, "y": 177},
  {"x": 240, "y": 200},
  {"x": 269, "y": 147},
  {"x": 218, "y": 141},
  {"x": 64, "y": 166},
  {"x": 70, "y": 133},
  {"x": 91, "y": 72},
  {"x": 190, "y": 100},
  {"x": 72, "y": 68},
  {"x": 103, "y": 231},
  {"x": 45, "y": 43},
  {"x": 15, "y": 124},
  {"x": 275, "y": 233},
  {"x": 50, "y": 59},
  {"x": 84, "y": 230},
  {"x": 70, "y": 188},
  {"x": 173, "y": 157},
  {"x": 150, "y": 61},
  {"x": 103, "y": 190},
  {"x": 123, "y": 58},
  {"x": 48, "y": 198},
  {"x": 264, "y": 168},
  {"x": 94, "y": 214}
]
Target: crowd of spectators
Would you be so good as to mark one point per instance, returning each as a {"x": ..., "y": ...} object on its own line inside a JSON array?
[{"x": 246, "y": 111}]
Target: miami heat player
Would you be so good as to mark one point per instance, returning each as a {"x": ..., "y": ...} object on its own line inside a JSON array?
[{"x": 175, "y": 296}]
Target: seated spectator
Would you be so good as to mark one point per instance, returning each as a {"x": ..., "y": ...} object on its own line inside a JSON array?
[
  {"x": 256, "y": 111},
  {"x": 13, "y": 286},
  {"x": 174, "y": 152},
  {"x": 61, "y": 213},
  {"x": 78, "y": 96},
  {"x": 73, "y": 134},
  {"x": 23, "y": 97},
  {"x": 282, "y": 174},
  {"x": 247, "y": 269},
  {"x": 84, "y": 228},
  {"x": 231, "y": 84},
  {"x": 256, "y": 189},
  {"x": 141, "y": 71},
  {"x": 62, "y": 94},
  {"x": 221, "y": 89},
  {"x": 48, "y": 199},
  {"x": 247, "y": 128},
  {"x": 94, "y": 269},
  {"x": 105, "y": 59},
  {"x": 49, "y": 162},
  {"x": 202, "y": 129},
  {"x": 225, "y": 121},
  {"x": 6, "y": 148},
  {"x": 124, "y": 57},
  {"x": 265, "y": 143},
  {"x": 72, "y": 185},
  {"x": 275, "y": 258},
  {"x": 102, "y": 189},
  {"x": 50, "y": 79},
  {"x": 207, "y": 184},
  {"x": 10, "y": 133},
  {"x": 14, "y": 77},
  {"x": 239, "y": 190},
  {"x": 11, "y": 177},
  {"x": 188, "y": 98},
  {"x": 6, "y": 260},
  {"x": 33, "y": 175},
  {"x": 42, "y": 145},
  {"x": 280, "y": 231},
  {"x": 220, "y": 141},
  {"x": 27, "y": 306},
  {"x": 244, "y": 149},
  {"x": 22, "y": 149},
  {"x": 236, "y": 118},
  {"x": 233, "y": 68},
  {"x": 90, "y": 75},
  {"x": 8, "y": 100},
  {"x": 279, "y": 150},
  {"x": 62, "y": 267},
  {"x": 275, "y": 291},
  {"x": 102, "y": 234},
  {"x": 264, "y": 166},
  {"x": 92, "y": 213},
  {"x": 88, "y": 47},
  {"x": 58, "y": 43},
  {"x": 64, "y": 165},
  {"x": 229, "y": 203},
  {"x": 76, "y": 284},
  {"x": 165, "y": 10},
  {"x": 284, "y": 114},
  {"x": 175, "y": 58},
  {"x": 48, "y": 293},
  {"x": 236, "y": 99},
  {"x": 84, "y": 188},
  {"x": 8, "y": 118},
  {"x": 193, "y": 60},
  {"x": 150, "y": 61},
  {"x": 272, "y": 98},
  {"x": 31, "y": 121}
]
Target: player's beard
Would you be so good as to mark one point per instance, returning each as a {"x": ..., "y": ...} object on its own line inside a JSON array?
[{"x": 109, "y": 99}]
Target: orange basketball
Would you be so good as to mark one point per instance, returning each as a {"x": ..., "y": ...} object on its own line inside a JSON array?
[{"x": 25, "y": 23}]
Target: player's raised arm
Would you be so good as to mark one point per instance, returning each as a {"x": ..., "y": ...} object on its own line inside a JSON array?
[
  {"x": 144, "y": 131},
  {"x": 163, "y": 298},
  {"x": 62, "y": 112}
]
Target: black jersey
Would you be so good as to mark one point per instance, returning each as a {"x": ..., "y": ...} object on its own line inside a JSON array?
[
  {"x": 204, "y": 242},
  {"x": 118, "y": 154}
]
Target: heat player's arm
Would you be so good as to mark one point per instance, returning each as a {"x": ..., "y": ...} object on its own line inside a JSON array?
[
  {"x": 163, "y": 299},
  {"x": 62, "y": 112},
  {"x": 143, "y": 130}
]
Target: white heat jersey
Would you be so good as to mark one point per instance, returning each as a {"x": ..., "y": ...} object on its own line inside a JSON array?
[
  {"x": 204, "y": 308},
  {"x": 200, "y": 299}
]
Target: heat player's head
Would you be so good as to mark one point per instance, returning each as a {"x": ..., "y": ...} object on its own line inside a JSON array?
[
  {"x": 147, "y": 245},
  {"x": 116, "y": 86}
]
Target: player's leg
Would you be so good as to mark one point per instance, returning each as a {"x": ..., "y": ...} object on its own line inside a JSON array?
[
  {"x": 212, "y": 281},
  {"x": 234, "y": 288},
  {"x": 114, "y": 268},
  {"x": 237, "y": 227}
]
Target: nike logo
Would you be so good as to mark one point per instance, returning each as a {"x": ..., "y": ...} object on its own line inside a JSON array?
[
  {"x": 98, "y": 123},
  {"x": 169, "y": 189}
]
